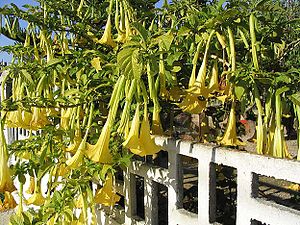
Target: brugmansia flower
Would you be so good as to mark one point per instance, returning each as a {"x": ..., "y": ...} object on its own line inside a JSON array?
[
  {"x": 18, "y": 118},
  {"x": 61, "y": 169},
  {"x": 107, "y": 195},
  {"x": 156, "y": 124},
  {"x": 214, "y": 79},
  {"x": 107, "y": 37},
  {"x": 8, "y": 203},
  {"x": 139, "y": 140},
  {"x": 132, "y": 140},
  {"x": 192, "y": 104},
  {"x": 100, "y": 151},
  {"x": 76, "y": 160},
  {"x": 14, "y": 119},
  {"x": 6, "y": 182},
  {"x": 230, "y": 137},
  {"x": 79, "y": 202},
  {"x": 39, "y": 118},
  {"x": 148, "y": 146},
  {"x": 65, "y": 118},
  {"x": 79, "y": 221},
  {"x": 37, "y": 198}
]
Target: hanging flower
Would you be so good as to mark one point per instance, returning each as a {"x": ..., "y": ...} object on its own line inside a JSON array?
[
  {"x": 37, "y": 198},
  {"x": 100, "y": 151},
  {"x": 132, "y": 140},
  {"x": 230, "y": 137},
  {"x": 6, "y": 182},
  {"x": 107, "y": 37},
  {"x": 107, "y": 195},
  {"x": 192, "y": 104},
  {"x": 148, "y": 146}
]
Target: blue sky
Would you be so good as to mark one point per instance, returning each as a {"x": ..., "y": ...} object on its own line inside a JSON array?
[{"x": 5, "y": 41}]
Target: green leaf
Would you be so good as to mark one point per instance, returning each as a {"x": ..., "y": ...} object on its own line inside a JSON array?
[
  {"x": 279, "y": 91},
  {"x": 165, "y": 41},
  {"x": 295, "y": 98},
  {"x": 54, "y": 61},
  {"x": 72, "y": 91},
  {"x": 239, "y": 92},
  {"x": 104, "y": 171},
  {"x": 183, "y": 31},
  {"x": 141, "y": 30},
  {"x": 27, "y": 76},
  {"x": 129, "y": 62}
]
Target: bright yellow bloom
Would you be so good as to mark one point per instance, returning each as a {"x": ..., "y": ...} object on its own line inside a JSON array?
[
  {"x": 192, "y": 104},
  {"x": 37, "y": 198},
  {"x": 132, "y": 141},
  {"x": 76, "y": 159},
  {"x": 147, "y": 143},
  {"x": 107, "y": 195},
  {"x": 76, "y": 141},
  {"x": 107, "y": 37},
  {"x": 230, "y": 137},
  {"x": 6, "y": 182},
  {"x": 100, "y": 151},
  {"x": 156, "y": 124},
  {"x": 39, "y": 118},
  {"x": 65, "y": 118}
]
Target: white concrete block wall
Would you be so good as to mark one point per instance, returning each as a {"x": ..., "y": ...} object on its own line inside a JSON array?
[{"x": 248, "y": 166}]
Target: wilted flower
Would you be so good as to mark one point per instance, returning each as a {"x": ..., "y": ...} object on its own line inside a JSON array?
[{"x": 8, "y": 203}]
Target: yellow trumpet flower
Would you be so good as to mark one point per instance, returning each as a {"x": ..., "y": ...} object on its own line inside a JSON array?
[
  {"x": 8, "y": 203},
  {"x": 65, "y": 118},
  {"x": 100, "y": 151},
  {"x": 14, "y": 119},
  {"x": 192, "y": 104},
  {"x": 76, "y": 160},
  {"x": 107, "y": 37},
  {"x": 6, "y": 182},
  {"x": 132, "y": 141},
  {"x": 107, "y": 195},
  {"x": 39, "y": 118},
  {"x": 214, "y": 79},
  {"x": 230, "y": 136},
  {"x": 37, "y": 198},
  {"x": 147, "y": 143},
  {"x": 156, "y": 123}
]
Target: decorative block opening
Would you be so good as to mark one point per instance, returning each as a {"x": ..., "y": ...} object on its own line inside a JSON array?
[
  {"x": 226, "y": 194},
  {"x": 256, "y": 222},
  {"x": 140, "y": 204},
  {"x": 162, "y": 202},
  {"x": 189, "y": 174},
  {"x": 160, "y": 159},
  {"x": 279, "y": 191}
]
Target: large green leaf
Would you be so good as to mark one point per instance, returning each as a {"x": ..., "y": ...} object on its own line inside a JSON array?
[{"x": 129, "y": 62}]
